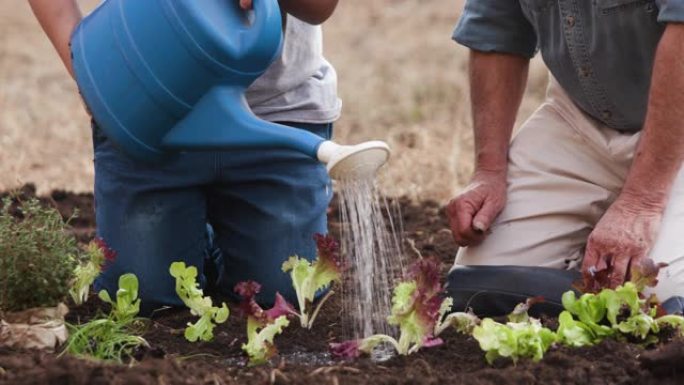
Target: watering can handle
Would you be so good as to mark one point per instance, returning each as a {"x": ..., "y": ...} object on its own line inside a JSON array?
[{"x": 265, "y": 36}]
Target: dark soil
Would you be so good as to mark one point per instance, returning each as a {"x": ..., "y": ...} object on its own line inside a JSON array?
[{"x": 303, "y": 355}]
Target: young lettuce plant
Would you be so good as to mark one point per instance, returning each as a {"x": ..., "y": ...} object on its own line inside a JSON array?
[
  {"x": 620, "y": 313},
  {"x": 419, "y": 312},
  {"x": 310, "y": 278},
  {"x": 127, "y": 304},
  {"x": 521, "y": 337},
  {"x": 612, "y": 313},
  {"x": 262, "y": 325},
  {"x": 115, "y": 337},
  {"x": 97, "y": 255},
  {"x": 193, "y": 297}
]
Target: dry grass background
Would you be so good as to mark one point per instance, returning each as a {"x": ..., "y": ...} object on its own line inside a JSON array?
[{"x": 401, "y": 78}]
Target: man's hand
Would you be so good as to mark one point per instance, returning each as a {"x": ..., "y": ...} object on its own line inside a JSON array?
[
  {"x": 626, "y": 233},
  {"x": 621, "y": 240},
  {"x": 246, "y": 4},
  {"x": 472, "y": 212},
  {"x": 497, "y": 83}
]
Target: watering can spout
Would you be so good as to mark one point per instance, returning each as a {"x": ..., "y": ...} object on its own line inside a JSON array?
[
  {"x": 222, "y": 120},
  {"x": 361, "y": 161}
]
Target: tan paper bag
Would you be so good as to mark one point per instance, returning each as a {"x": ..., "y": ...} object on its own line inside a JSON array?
[{"x": 38, "y": 328}]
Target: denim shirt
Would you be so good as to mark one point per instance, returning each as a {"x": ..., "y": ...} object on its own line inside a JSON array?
[{"x": 600, "y": 51}]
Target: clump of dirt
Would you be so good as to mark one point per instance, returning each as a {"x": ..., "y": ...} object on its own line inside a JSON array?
[
  {"x": 304, "y": 357},
  {"x": 32, "y": 367},
  {"x": 665, "y": 362}
]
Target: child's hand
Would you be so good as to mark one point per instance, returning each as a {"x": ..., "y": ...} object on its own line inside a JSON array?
[{"x": 246, "y": 4}]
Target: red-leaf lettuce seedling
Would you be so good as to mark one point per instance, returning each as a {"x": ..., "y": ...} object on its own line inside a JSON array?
[
  {"x": 418, "y": 310},
  {"x": 262, "y": 325},
  {"x": 310, "y": 278}
]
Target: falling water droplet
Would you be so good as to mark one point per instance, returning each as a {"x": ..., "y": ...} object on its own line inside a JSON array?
[{"x": 370, "y": 238}]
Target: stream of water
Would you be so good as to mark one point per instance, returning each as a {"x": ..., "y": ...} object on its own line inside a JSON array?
[{"x": 371, "y": 239}]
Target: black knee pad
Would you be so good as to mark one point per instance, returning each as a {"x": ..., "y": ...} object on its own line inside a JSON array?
[
  {"x": 494, "y": 291},
  {"x": 674, "y": 305}
]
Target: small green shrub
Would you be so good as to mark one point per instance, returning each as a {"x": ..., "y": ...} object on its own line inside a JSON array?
[{"x": 37, "y": 256}]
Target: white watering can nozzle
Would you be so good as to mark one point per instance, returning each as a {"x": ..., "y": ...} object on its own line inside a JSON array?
[{"x": 353, "y": 162}]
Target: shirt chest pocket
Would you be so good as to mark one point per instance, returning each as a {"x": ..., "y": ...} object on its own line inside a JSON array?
[
  {"x": 609, "y": 7},
  {"x": 537, "y": 10},
  {"x": 534, "y": 6}
]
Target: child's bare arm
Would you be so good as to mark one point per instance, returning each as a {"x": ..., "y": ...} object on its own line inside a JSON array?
[
  {"x": 311, "y": 11},
  {"x": 58, "y": 19}
]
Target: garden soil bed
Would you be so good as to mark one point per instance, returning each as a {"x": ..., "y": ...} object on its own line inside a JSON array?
[{"x": 303, "y": 354}]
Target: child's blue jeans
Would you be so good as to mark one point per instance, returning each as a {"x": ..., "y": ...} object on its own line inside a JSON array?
[{"x": 263, "y": 207}]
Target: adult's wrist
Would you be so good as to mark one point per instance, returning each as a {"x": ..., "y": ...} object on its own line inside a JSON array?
[
  {"x": 491, "y": 175},
  {"x": 644, "y": 202},
  {"x": 492, "y": 165}
]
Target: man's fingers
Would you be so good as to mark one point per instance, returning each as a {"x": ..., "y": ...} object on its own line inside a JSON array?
[
  {"x": 591, "y": 258},
  {"x": 485, "y": 217},
  {"x": 605, "y": 258},
  {"x": 246, "y": 4},
  {"x": 619, "y": 274},
  {"x": 461, "y": 219}
]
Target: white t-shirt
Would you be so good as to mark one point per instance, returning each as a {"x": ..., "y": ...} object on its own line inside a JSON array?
[{"x": 300, "y": 86}]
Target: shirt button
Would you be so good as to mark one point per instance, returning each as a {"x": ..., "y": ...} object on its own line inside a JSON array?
[
  {"x": 570, "y": 21},
  {"x": 606, "y": 114}
]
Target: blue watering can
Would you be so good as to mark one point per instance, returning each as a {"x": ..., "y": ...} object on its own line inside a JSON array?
[{"x": 162, "y": 76}]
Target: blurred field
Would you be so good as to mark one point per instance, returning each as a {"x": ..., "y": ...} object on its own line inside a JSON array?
[{"x": 401, "y": 78}]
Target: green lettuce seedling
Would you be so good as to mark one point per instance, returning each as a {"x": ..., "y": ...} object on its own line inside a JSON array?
[
  {"x": 115, "y": 337},
  {"x": 419, "y": 312},
  {"x": 573, "y": 333},
  {"x": 618, "y": 313},
  {"x": 521, "y": 337},
  {"x": 193, "y": 297},
  {"x": 463, "y": 322},
  {"x": 260, "y": 346},
  {"x": 513, "y": 340},
  {"x": 621, "y": 313},
  {"x": 97, "y": 254},
  {"x": 590, "y": 310},
  {"x": 127, "y": 304},
  {"x": 310, "y": 278},
  {"x": 262, "y": 325}
]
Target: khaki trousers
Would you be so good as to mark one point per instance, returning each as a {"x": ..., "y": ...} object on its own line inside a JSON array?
[{"x": 565, "y": 170}]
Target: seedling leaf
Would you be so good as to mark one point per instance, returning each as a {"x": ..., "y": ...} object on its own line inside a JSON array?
[{"x": 193, "y": 297}]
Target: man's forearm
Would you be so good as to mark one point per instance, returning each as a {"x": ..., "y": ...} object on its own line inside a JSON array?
[
  {"x": 660, "y": 153},
  {"x": 497, "y": 84},
  {"x": 58, "y": 19},
  {"x": 311, "y": 11}
]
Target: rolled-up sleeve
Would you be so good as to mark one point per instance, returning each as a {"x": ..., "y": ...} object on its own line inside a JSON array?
[
  {"x": 497, "y": 26},
  {"x": 671, "y": 11}
]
